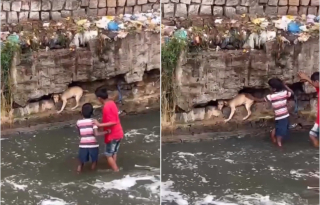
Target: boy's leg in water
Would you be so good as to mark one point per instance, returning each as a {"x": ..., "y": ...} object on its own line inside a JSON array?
[
  {"x": 83, "y": 157},
  {"x": 111, "y": 154},
  {"x": 94, "y": 154},
  {"x": 281, "y": 130},
  {"x": 314, "y": 135}
]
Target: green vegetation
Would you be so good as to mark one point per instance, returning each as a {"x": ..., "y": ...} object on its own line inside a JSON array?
[
  {"x": 170, "y": 55},
  {"x": 8, "y": 51}
]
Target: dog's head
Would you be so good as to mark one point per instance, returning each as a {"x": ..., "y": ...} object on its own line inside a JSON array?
[
  {"x": 56, "y": 97},
  {"x": 221, "y": 104}
]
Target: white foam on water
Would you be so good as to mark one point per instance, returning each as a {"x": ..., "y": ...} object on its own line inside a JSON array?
[
  {"x": 296, "y": 174},
  {"x": 150, "y": 137},
  {"x": 16, "y": 186},
  {"x": 54, "y": 201},
  {"x": 230, "y": 161},
  {"x": 168, "y": 195},
  {"x": 122, "y": 184},
  {"x": 131, "y": 134}
]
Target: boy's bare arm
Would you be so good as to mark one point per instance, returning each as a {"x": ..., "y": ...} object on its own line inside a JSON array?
[
  {"x": 97, "y": 133},
  {"x": 107, "y": 124},
  {"x": 254, "y": 98},
  {"x": 304, "y": 77}
]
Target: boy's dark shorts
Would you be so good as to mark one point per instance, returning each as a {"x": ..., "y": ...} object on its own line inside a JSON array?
[
  {"x": 282, "y": 128},
  {"x": 112, "y": 148},
  {"x": 84, "y": 154}
]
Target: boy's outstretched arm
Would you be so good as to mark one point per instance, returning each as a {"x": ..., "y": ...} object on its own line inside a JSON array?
[
  {"x": 97, "y": 133},
  {"x": 107, "y": 124},
  {"x": 304, "y": 77},
  {"x": 254, "y": 98}
]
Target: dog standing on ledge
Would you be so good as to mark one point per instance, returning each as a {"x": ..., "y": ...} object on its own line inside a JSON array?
[
  {"x": 237, "y": 101},
  {"x": 71, "y": 92}
]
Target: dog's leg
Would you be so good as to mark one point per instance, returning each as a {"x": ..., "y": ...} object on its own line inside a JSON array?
[
  {"x": 233, "y": 110},
  {"x": 248, "y": 107},
  {"x": 77, "y": 102},
  {"x": 63, "y": 105}
]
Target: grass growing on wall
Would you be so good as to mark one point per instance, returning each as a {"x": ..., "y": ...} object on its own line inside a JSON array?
[
  {"x": 170, "y": 54},
  {"x": 8, "y": 51}
]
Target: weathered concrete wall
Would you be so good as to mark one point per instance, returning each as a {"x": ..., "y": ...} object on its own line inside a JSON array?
[
  {"x": 14, "y": 11},
  {"x": 229, "y": 8},
  {"x": 208, "y": 76},
  {"x": 44, "y": 73}
]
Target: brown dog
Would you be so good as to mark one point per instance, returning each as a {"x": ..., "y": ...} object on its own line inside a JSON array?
[
  {"x": 240, "y": 99},
  {"x": 71, "y": 92}
]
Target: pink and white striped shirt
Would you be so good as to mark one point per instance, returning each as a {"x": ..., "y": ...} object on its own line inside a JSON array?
[
  {"x": 279, "y": 103},
  {"x": 86, "y": 131}
]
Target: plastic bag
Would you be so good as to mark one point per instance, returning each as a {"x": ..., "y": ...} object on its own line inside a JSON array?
[
  {"x": 182, "y": 34},
  {"x": 293, "y": 27},
  {"x": 13, "y": 38},
  {"x": 113, "y": 26}
]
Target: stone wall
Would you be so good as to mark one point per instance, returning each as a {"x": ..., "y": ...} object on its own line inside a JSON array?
[
  {"x": 209, "y": 75},
  {"x": 42, "y": 73},
  {"x": 14, "y": 11},
  {"x": 229, "y": 8}
]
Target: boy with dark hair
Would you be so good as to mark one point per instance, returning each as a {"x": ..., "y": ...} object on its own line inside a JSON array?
[
  {"x": 110, "y": 119},
  {"x": 278, "y": 99},
  {"x": 89, "y": 146},
  {"x": 314, "y": 81}
]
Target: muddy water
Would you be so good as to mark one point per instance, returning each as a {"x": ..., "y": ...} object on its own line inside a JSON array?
[
  {"x": 39, "y": 168},
  {"x": 240, "y": 171}
]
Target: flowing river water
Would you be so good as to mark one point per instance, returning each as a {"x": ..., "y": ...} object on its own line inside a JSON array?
[
  {"x": 39, "y": 168},
  {"x": 242, "y": 170}
]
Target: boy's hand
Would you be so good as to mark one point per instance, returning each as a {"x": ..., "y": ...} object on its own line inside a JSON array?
[
  {"x": 96, "y": 122},
  {"x": 303, "y": 76}
]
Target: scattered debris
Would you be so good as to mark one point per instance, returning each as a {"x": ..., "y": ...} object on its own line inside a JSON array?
[
  {"x": 245, "y": 33},
  {"x": 77, "y": 32}
]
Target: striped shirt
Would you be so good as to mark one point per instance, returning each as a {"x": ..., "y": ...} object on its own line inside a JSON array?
[
  {"x": 87, "y": 138},
  {"x": 279, "y": 103}
]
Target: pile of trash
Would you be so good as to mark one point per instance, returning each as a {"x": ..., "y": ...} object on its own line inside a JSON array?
[
  {"x": 246, "y": 32},
  {"x": 75, "y": 32}
]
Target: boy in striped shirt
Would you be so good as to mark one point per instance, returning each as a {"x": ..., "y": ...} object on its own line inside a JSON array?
[
  {"x": 278, "y": 99},
  {"x": 89, "y": 146}
]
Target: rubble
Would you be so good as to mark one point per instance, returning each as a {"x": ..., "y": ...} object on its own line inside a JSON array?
[
  {"x": 77, "y": 32},
  {"x": 244, "y": 32}
]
